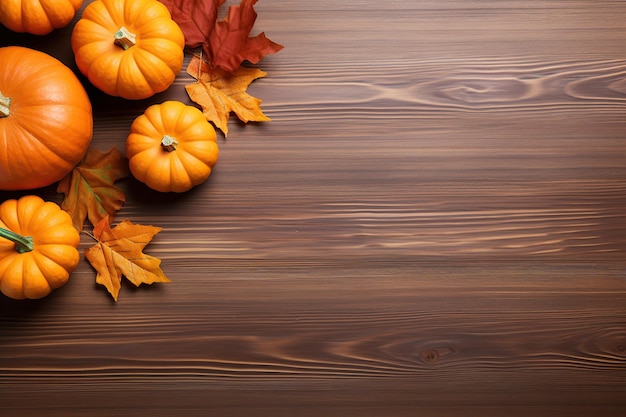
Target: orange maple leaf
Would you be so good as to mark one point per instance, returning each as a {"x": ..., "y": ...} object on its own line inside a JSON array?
[
  {"x": 89, "y": 189},
  {"x": 219, "y": 92},
  {"x": 119, "y": 252}
]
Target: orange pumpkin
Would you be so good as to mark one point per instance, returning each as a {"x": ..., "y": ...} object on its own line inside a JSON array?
[
  {"x": 171, "y": 147},
  {"x": 45, "y": 119},
  {"x": 38, "y": 247},
  {"x": 38, "y": 17},
  {"x": 128, "y": 48}
]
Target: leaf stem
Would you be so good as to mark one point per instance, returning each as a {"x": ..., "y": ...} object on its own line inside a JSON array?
[
  {"x": 22, "y": 243},
  {"x": 200, "y": 66},
  {"x": 5, "y": 104},
  {"x": 91, "y": 235},
  {"x": 125, "y": 38}
]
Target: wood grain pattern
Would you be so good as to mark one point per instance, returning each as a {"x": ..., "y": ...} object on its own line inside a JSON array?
[{"x": 432, "y": 224}]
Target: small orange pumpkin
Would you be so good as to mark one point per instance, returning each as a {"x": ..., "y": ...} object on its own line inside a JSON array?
[
  {"x": 171, "y": 147},
  {"x": 45, "y": 119},
  {"x": 38, "y": 17},
  {"x": 38, "y": 247},
  {"x": 128, "y": 48}
]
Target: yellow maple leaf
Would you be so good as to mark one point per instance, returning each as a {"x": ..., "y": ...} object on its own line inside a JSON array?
[
  {"x": 119, "y": 252},
  {"x": 219, "y": 93}
]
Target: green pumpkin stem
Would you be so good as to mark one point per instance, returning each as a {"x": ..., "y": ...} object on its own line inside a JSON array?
[
  {"x": 22, "y": 243},
  {"x": 5, "y": 104},
  {"x": 125, "y": 38},
  {"x": 169, "y": 143}
]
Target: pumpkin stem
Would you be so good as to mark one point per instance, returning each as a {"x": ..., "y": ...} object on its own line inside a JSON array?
[
  {"x": 22, "y": 243},
  {"x": 125, "y": 38},
  {"x": 169, "y": 143},
  {"x": 5, "y": 104}
]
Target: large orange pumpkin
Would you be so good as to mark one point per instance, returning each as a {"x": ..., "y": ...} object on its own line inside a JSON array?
[
  {"x": 128, "y": 48},
  {"x": 45, "y": 119},
  {"x": 38, "y": 17}
]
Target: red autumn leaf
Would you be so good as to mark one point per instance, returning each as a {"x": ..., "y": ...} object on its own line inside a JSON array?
[
  {"x": 196, "y": 18},
  {"x": 230, "y": 44},
  {"x": 226, "y": 43}
]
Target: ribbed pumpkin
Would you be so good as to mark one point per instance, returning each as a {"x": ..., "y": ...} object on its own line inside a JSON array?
[
  {"x": 128, "y": 48},
  {"x": 38, "y": 247},
  {"x": 45, "y": 119},
  {"x": 38, "y": 17},
  {"x": 171, "y": 147}
]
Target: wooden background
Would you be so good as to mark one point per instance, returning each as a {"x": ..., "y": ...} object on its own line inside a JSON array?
[{"x": 432, "y": 224}]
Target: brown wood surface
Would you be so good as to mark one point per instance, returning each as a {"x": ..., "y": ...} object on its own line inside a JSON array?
[{"x": 432, "y": 224}]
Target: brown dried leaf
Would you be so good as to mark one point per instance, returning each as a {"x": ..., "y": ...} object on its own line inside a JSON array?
[{"x": 89, "y": 189}]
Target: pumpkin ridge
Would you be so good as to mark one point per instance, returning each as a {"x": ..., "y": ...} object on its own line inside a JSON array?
[
  {"x": 34, "y": 72},
  {"x": 27, "y": 209},
  {"x": 192, "y": 132},
  {"x": 44, "y": 144},
  {"x": 112, "y": 9},
  {"x": 57, "y": 14},
  {"x": 33, "y": 286},
  {"x": 8, "y": 216},
  {"x": 48, "y": 265},
  {"x": 140, "y": 171},
  {"x": 28, "y": 19},
  {"x": 154, "y": 69},
  {"x": 23, "y": 212},
  {"x": 168, "y": 112},
  {"x": 153, "y": 116},
  {"x": 200, "y": 153},
  {"x": 119, "y": 76},
  {"x": 189, "y": 159},
  {"x": 14, "y": 287},
  {"x": 159, "y": 168},
  {"x": 178, "y": 169},
  {"x": 99, "y": 14},
  {"x": 142, "y": 27},
  {"x": 158, "y": 56},
  {"x": 60, "y": 253},
  {"x": 4, "y": 144},
  {"x": 136, "y": 15},
  {"x": 96, "y": 66},
  {"x": 48, "y": 215}
]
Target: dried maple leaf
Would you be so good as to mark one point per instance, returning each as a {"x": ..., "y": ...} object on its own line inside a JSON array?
[
  {"x": 226, "y": 43},
  {"x": 230, "y": 44},
  {"x": 119, "y": 252},
  {"x": 90, "y": 190},
  {"x": 219, "y": 92},
  {"x": 196, "y": 18}
]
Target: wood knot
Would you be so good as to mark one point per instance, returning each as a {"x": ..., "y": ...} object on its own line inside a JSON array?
[{"x": 430, "y": 356}]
